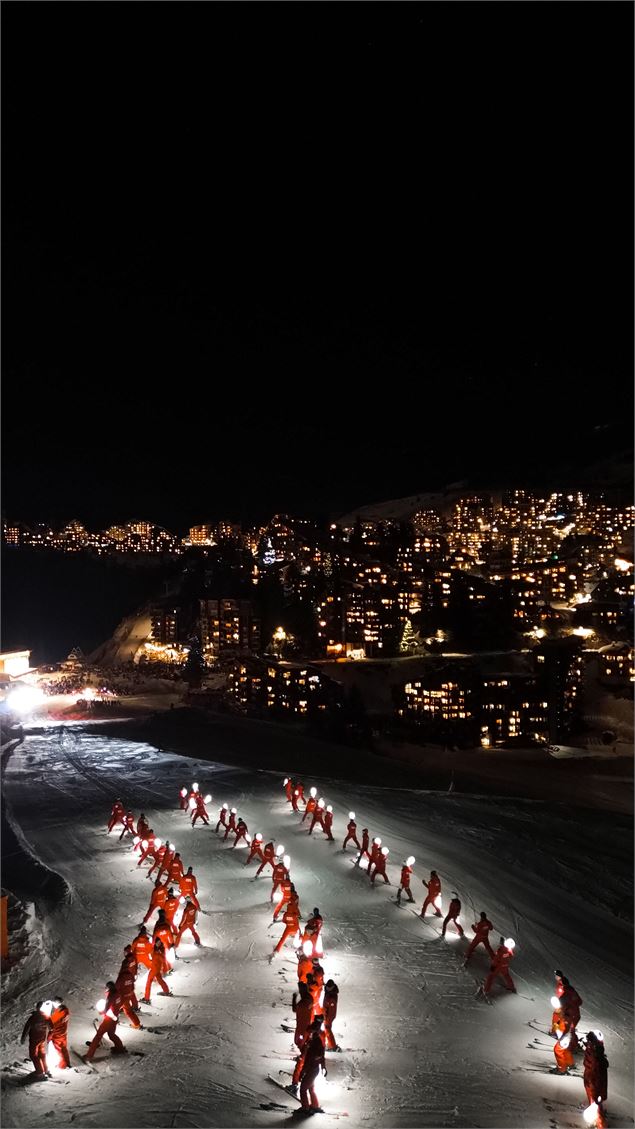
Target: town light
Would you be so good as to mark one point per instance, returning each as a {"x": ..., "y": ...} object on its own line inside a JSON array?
[{"x": 26, "y": 698}]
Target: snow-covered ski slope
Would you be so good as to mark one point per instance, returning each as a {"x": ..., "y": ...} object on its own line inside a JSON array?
[{"x": 419, "y": 1048}]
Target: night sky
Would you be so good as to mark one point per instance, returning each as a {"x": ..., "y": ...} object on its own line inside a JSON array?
[{"x": 301, "y": 257}]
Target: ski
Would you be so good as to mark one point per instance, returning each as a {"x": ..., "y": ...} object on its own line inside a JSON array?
[
  {"x": 80, "y": 1056},
  {"x": 289, "y": 1094}
]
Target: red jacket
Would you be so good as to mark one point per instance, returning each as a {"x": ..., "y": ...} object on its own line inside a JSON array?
[
  {"x": 59, "y": 1021},
  {"x": 303, "y": 1010},
  {"x": 189, "y": 917},
  {"x": 434, "y": 886},
  {"x": 502, "y": 957},
  {"x": 330, "y": 1005},
  {"x": 170, "y": 907},
  {"x": 406, "y": 871},
  {"x": 595, "y": 1073},
  {"x": 125, "y": 983},
  {"x": 176, "y": 870},
  {"x": 454, "y": 908},
  {"x": 142, "y": 948},
  {"x": 365, "y": 840},
  {"x": 483, "y": 928},
  {"x": 279, "y": 873},
  {"x": 188, "y": 885}
]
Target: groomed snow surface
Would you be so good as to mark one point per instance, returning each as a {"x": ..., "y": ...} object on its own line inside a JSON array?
[{"x": 420, "y": 1049}]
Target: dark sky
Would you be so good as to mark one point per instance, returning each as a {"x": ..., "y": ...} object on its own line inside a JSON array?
[{"x": 301, "y": 257}]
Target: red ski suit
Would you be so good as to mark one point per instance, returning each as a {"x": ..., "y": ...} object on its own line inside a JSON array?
[
  {"x": 434, "y": 889},
  {"x": 142, "y": 949},
  {"x": 38, "y": 1028},
  {"x": 108, "y": 1026},
  {"x": 158, "y": 898},
  {"x": 156, "y": 973},
  {"x": 254, "y": 850},
  {"x": 189, "y": 888},
  {"x": 454, "y": 910},
  {"x": 222, "y": 818},
  {"x": 58, "y": 1035},
  {"x": 125, "y": 989},
  {"x": 482, "y": 929},
  {"x": 363, "y": 850},
  {"x": 318, "y": 817},
  {"x": 170, "y": 908},
  {"x": 241, "y": 832},
  {"x": 285, "y": 892},
  {"x": 165, "y": 934},
  {"x": 268, "y": 857},
  {"x": 303, "y": 1011},
  {"x": 311, "y": 805},
  {"x": 500, "y": 967},
  {"x": 330, "y": 1011},
  {"x": 351, "y": 835},
  {"x": 176, "y": 869},
  {"x": 230, "y": 825},
  {"x": 188, "y": 921},
  {"x": 150, "y": 850},
  {"x": 570, "y": 1003},
  {"x": 116, "y": 816},
  {"x": 288, "y": 788},
  {"x": 313, "y": 1060},
  {"x": 297, "y": 796},
  {"x": 595, "y": 1075},
  {"x": 564, "y": 1055},
  {"x": 278, "y": 876},
  {"x": 291, "y": 918},
  {"x": 404, "y": 883},
  {"x": 378, "y": 868},
  {"x": 328, "y": 824}
]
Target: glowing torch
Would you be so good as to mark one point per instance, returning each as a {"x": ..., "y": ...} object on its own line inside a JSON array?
[
  {"x": 279, "y": 850},
  {"x": 208, "y": 799},
  {"x": 307, "y": 948},
  {"x": 191, "y": 803},
  {"x": 590, "y": 1114},
  {"x": 351, "y": 815},
  {"x": 286, "y": 860}
]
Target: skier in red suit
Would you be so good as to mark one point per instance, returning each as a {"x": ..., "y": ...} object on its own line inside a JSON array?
[
  {"x": 142, "y": 826},
  {"x": 288, "y": 787},
  {"x": 404, "y": 881},
  {"x": 331, "y": 994},
  {"x": 278, "y": 876},
  {"x": 189, "y": 887},
  {"x": 116, "y": 815},
  {"x": 176, "y": 868},
  {"x": 318, "y": 816},
  {"x": 286, "y": 890},
  {"x": 156, "y": 971},
  {"x": 570, "y": 1003},
  {"x": 454, "y": 910},
  {"x": 142, "y": 947},
  {"x": 125, "y": 989},
  {"x": 364, "y": 849},
  {"x": 351, "y": 832},
  {"x": 58, "y": 1034},
  {"x": 291, "y": 918},
  {"x": 380, "y": 867},
  {"x": 328, "y": 824},
  {"x": 188, "y": 921},
  {"x": 222, "y": 817},
  {"x": 313, "y": 1062},
  {"x": 481, "y": 929},
  {"x": 151, "y": 849},
  {"x": 255, "y": 848},
  {"x": 231, "y": 824},
  {"x": 183, "y": 804},
  {"x": 500, "y": 967},
  {"x": 297, "y": 796},
  {"x": 303, "y": 1011},
  {"x": 268, "y": 857},
  {"x": 434, "y": 890},
  {"x": 199, "y": 811},
  {"x": 108, "y": 1025},
  {"x": 311, "y": 804},
  {"x": 38, "y": 1028},
  {"x": 158, "y": 898},
  {"x": 128, "y": 825},
  {"x": 241, "y": 832},
  {"x": 596, "y": 1067}
]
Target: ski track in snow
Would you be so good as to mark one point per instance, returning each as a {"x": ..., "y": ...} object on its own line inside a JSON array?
[{"x": 425, "y": 1051}]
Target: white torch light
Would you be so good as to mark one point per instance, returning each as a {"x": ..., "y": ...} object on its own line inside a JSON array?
[
  {"x": 307, "y": 948},
  {"x": 144, "y": 844},
  {"x": 318, "y": 947},
  {"x": 564, "y": 1041},
  {"x": 171, "y": 956},
  {"x": 410, "y": 861},
  {"x": 285, "y": 781},
  {"x": 157, "y": 843},
  {"x": 184, "y": 791},
  {"x": 510, "y": 944},
  {"x": 47, "y": 1008},
  {"x": 329, "y": 808},
  {"x": 313, "y": 792},
  {"x": 136, "y": 841},
  {"x": 377, "y": 842},
  {"x": 351, "y": 815},
  {"x": 555, "y": 1003},
  {"x": 385, "y": 851},
  {"x": 195, "y": 787},
  {"x": 287, "y": 860},
  {"x": 192, "y": 803},
  {"x": 259, "y": 836},
  {"x": 320, "y": 802},
  {"x": 233, "y": 811},
  {"x": 248, "y": 838},
  {"x": 100, "y": 1006},
  {"x": 26, "y": 698},
  {"x": 208, "y": 799},
  {"x": 279, "y": 850},
  {"x": 52, "y": 1057},
  {"x": 590, "y": 1114}
]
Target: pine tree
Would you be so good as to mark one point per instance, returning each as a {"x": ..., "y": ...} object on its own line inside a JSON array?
[
  {"x": 411, "y": 643},
  {"x": 194, "y": 664}
]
